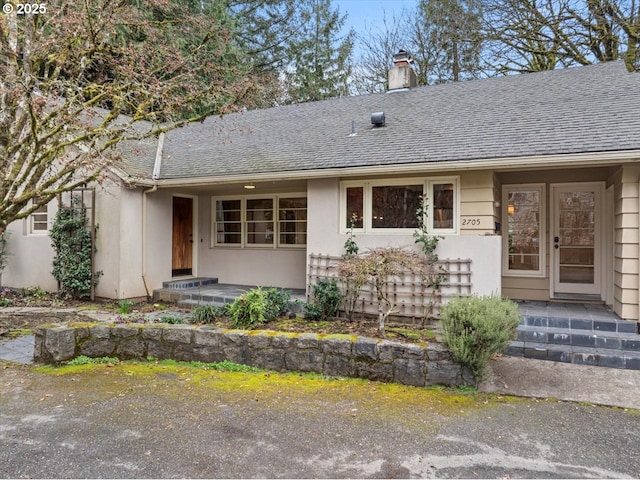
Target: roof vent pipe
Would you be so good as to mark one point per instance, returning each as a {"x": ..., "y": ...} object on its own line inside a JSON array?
[{"x": 377, "y": 119}]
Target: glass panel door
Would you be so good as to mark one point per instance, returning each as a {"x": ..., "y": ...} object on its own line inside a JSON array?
[{"x": 576, "y": 238}]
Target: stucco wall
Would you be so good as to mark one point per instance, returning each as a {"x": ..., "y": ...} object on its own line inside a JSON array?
[
  {"x": 277, "y": 267},
  {"x": 324, "y": 237},
  {"x": 118, "y": 243},
  {"x": 108, "y": 202},
  {"x": 158, "y": 238},
  {"x": 30, "y": 256}
]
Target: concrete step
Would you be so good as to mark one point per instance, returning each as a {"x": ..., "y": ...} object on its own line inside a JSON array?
[
  {"x": 591, "y": 340},
  {"x": 596, "y": 324},
  {"x": 186, "y": 283},
  {"x": 579, "y": 337},
  {"x": 603, "y": 357}
]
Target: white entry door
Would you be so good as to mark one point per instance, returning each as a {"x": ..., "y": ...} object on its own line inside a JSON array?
[{"x": 576, "y": 239}]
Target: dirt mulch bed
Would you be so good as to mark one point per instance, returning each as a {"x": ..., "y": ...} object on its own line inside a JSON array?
[{"x": 13, "y": 325}]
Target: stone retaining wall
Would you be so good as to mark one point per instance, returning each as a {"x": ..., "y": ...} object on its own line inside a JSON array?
[{"x": 332, "y": 355}]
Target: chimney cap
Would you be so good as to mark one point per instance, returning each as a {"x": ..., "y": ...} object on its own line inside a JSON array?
[{"x": 403, "y": 57}]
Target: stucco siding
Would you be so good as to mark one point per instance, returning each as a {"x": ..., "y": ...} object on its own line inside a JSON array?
[
  {"x": 484, "y": 250},
  {"x": 130, "y": 240},
  {"x": 269, "y": 267},
  {"x": 29, "y": 257},
  {"x": 158, "y": 238}
]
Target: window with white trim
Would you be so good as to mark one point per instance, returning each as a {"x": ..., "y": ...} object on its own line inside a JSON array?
[
  {"x": 39, "y": 221},
  {"x": 389, "y": 206},
  {"x": 260, "y": 221},
  {"x": 523, "y": 221},
  {"x": 441, "y": 199},
  {"x": 228, "y": 222},
  {"x": 292, "y": 221}
]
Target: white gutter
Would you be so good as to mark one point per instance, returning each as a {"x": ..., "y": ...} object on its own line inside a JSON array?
[
  {"x": 509, "y": 163},
  {"x": 144, "y": 238},
  {"x": 158, "y": 163},
  {"x": 155, "y": 175}
]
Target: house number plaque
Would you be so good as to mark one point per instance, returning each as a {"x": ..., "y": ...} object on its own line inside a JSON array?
[{"x": 469, "y": 222}]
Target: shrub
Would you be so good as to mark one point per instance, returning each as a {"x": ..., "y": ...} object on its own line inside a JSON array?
[
  {"x": 206, "y": 313},
  {"x": 475, "y": 328},
  {"x": 326, "y": 302},
  {"x": 172, "y": 320},
  {"x": 84, "y": 360},
  {"x": 258, "y": 306},
  {"x": 277, "y": 303},
  {"x": 249, "y": 309}
]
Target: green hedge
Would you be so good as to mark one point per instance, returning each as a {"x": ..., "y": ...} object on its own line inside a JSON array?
[{"x": 476, "y": 328}]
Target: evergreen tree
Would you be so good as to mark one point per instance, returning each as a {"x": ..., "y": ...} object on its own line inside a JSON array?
[
  {"x": 318, "y": 60},
  {"x": 450, "y": 40},
  {"x": 264, "y": 31}
]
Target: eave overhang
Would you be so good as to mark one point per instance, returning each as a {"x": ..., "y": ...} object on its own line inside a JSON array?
[{"x": 573, "y": 160}]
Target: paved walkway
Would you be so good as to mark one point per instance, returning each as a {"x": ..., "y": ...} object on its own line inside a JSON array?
[{"x": 19, "y": 350}]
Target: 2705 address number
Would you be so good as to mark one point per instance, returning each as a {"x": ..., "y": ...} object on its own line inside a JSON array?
[
  {"x": 471, "y": 222},
  {"x": 25, "y": 8}
]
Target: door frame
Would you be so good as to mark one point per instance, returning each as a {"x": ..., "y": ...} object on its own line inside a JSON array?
[
  {"x": 194, "y": 229},
  {"x": 600, "y": 285}
]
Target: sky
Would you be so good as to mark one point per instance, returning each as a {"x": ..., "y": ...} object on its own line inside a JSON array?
[{"x": 365, "y": 14}]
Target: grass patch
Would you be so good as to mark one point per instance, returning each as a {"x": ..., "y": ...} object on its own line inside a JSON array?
[
  {"x": 410, "y": 334},
  {"x": 19, "y": 332},
  {"x": 229, "y": 383},
  {"x": 84, "y": 360},
  {"x": 224, "y": 366}
]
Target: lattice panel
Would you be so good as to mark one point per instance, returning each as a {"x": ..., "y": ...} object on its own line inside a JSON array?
[{"x": 411, "y": 297}]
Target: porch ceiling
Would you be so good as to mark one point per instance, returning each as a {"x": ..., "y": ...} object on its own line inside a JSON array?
[{"x": 237, "y": 188}]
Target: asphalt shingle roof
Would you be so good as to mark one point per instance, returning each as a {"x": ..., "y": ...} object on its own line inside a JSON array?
[{"x": 584, "y": 109}]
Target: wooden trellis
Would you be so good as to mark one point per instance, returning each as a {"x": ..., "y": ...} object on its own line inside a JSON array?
[
  {"x": 84, "y": 199},
  {"x": 411, "y": 296}
]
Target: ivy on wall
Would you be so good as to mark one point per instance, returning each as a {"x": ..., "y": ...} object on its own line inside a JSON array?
[{"x": 71, "y": 241}]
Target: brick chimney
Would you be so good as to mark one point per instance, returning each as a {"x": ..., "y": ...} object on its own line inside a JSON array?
[{"x": 401, "y": 75}]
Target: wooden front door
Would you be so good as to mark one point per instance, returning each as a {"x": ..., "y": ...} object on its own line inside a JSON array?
[{"x": 182, "y": 261}]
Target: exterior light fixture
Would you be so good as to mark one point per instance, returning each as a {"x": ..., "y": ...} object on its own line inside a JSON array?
[{"x": 249, "y": 186}]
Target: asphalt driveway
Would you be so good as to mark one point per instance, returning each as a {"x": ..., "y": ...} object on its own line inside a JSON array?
[{"x": 130, "y": 421}]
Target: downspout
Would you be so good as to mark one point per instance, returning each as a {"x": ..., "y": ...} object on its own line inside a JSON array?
[{"x": 155, "y": 175}]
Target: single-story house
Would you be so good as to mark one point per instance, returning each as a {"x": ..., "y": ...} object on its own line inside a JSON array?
[{"x": 533, "y": 178}]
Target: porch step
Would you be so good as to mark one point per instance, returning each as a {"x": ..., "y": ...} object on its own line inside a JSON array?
[
  {"x": 215, "y": 294},
  {"x": 183, "y": 284},
  {"x": 596, "y": 341}
]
